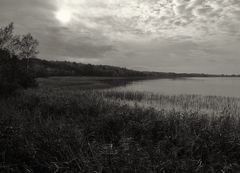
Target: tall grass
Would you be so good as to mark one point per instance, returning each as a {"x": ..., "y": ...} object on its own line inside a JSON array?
[
  {"x": 215, "y": 105},
  {"x": 85, "y": 131}
]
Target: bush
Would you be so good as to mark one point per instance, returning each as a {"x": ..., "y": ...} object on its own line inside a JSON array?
[{"x": 13, "y": 74}]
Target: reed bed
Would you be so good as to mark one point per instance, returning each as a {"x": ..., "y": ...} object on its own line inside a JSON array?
[
  {"x": 214, "y": 105},
  {"x": 46, "y": 130}
]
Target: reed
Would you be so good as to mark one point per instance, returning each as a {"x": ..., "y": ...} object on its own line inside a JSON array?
[{"x": 53, "y": 130}]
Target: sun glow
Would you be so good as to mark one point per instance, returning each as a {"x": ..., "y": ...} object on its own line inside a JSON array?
[{"x": 64, "y": 16}]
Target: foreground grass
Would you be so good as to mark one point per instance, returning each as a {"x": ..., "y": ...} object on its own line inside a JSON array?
[{"x": 84, "y": 131}]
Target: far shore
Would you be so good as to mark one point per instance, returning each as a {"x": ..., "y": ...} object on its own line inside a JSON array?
[
  {"x": 94, "y": 82},
  {"x": 86, "y": 82}
]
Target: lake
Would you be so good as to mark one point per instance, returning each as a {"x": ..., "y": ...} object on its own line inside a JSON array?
[{"x": 214, "y": 86}]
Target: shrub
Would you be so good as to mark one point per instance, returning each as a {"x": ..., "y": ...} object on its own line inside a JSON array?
[{"x": 13, "y": 74}]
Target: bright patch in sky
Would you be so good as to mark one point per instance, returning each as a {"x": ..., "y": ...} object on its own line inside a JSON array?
[
  {"x": 192, "y": 19},
  {"x": 64, "y": 15}
]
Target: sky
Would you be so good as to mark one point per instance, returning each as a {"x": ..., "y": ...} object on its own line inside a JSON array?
[{"x": 201, "y": 36}]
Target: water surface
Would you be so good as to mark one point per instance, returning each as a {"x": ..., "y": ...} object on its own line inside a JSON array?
[{"x": 229, "y": 87}]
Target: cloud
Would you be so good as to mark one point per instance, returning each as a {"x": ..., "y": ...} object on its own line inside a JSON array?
[
  {"x": 163, "y": 35},
  {"x": 124, "y": 20},
  {"x": 155, "y": 18}
]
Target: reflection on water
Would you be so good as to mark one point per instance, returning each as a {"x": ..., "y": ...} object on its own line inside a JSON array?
[
  {"x": 229, "y": 87},
  {"x": 123, "y": 82}
]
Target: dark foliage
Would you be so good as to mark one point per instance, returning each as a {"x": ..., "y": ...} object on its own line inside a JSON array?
[
  {"x": 13, "y": 74},
  {"x": 44, "y": 68}
]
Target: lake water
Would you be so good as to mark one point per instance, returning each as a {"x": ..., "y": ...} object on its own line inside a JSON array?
[{"x": 200, "y": 86}]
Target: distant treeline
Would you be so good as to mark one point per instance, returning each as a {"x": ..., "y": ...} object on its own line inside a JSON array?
[{"x": 44, "y": 68}]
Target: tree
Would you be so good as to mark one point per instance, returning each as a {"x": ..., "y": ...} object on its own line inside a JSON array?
[
  {"x": 8, "y": 41},
  {"x": 24, "y": 46},
  {"x": 28, "y": 48},
  {"x": 6, "y": 35},
  {"x": 15, "y": 51}
]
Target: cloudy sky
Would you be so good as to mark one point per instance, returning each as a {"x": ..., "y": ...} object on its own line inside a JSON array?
[{"x": 158, "y": 35}]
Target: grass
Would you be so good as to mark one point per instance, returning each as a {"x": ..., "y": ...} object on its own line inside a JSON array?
[
  {"x": 211, "y": 105},
  {"x": 63, "y": 130}
]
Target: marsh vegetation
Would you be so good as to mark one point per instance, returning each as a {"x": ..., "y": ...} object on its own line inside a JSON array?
[{"x": 64, "y": 130}]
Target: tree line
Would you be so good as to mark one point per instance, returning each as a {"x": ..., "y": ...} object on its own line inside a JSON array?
[{"x": 44, "y": 68}]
